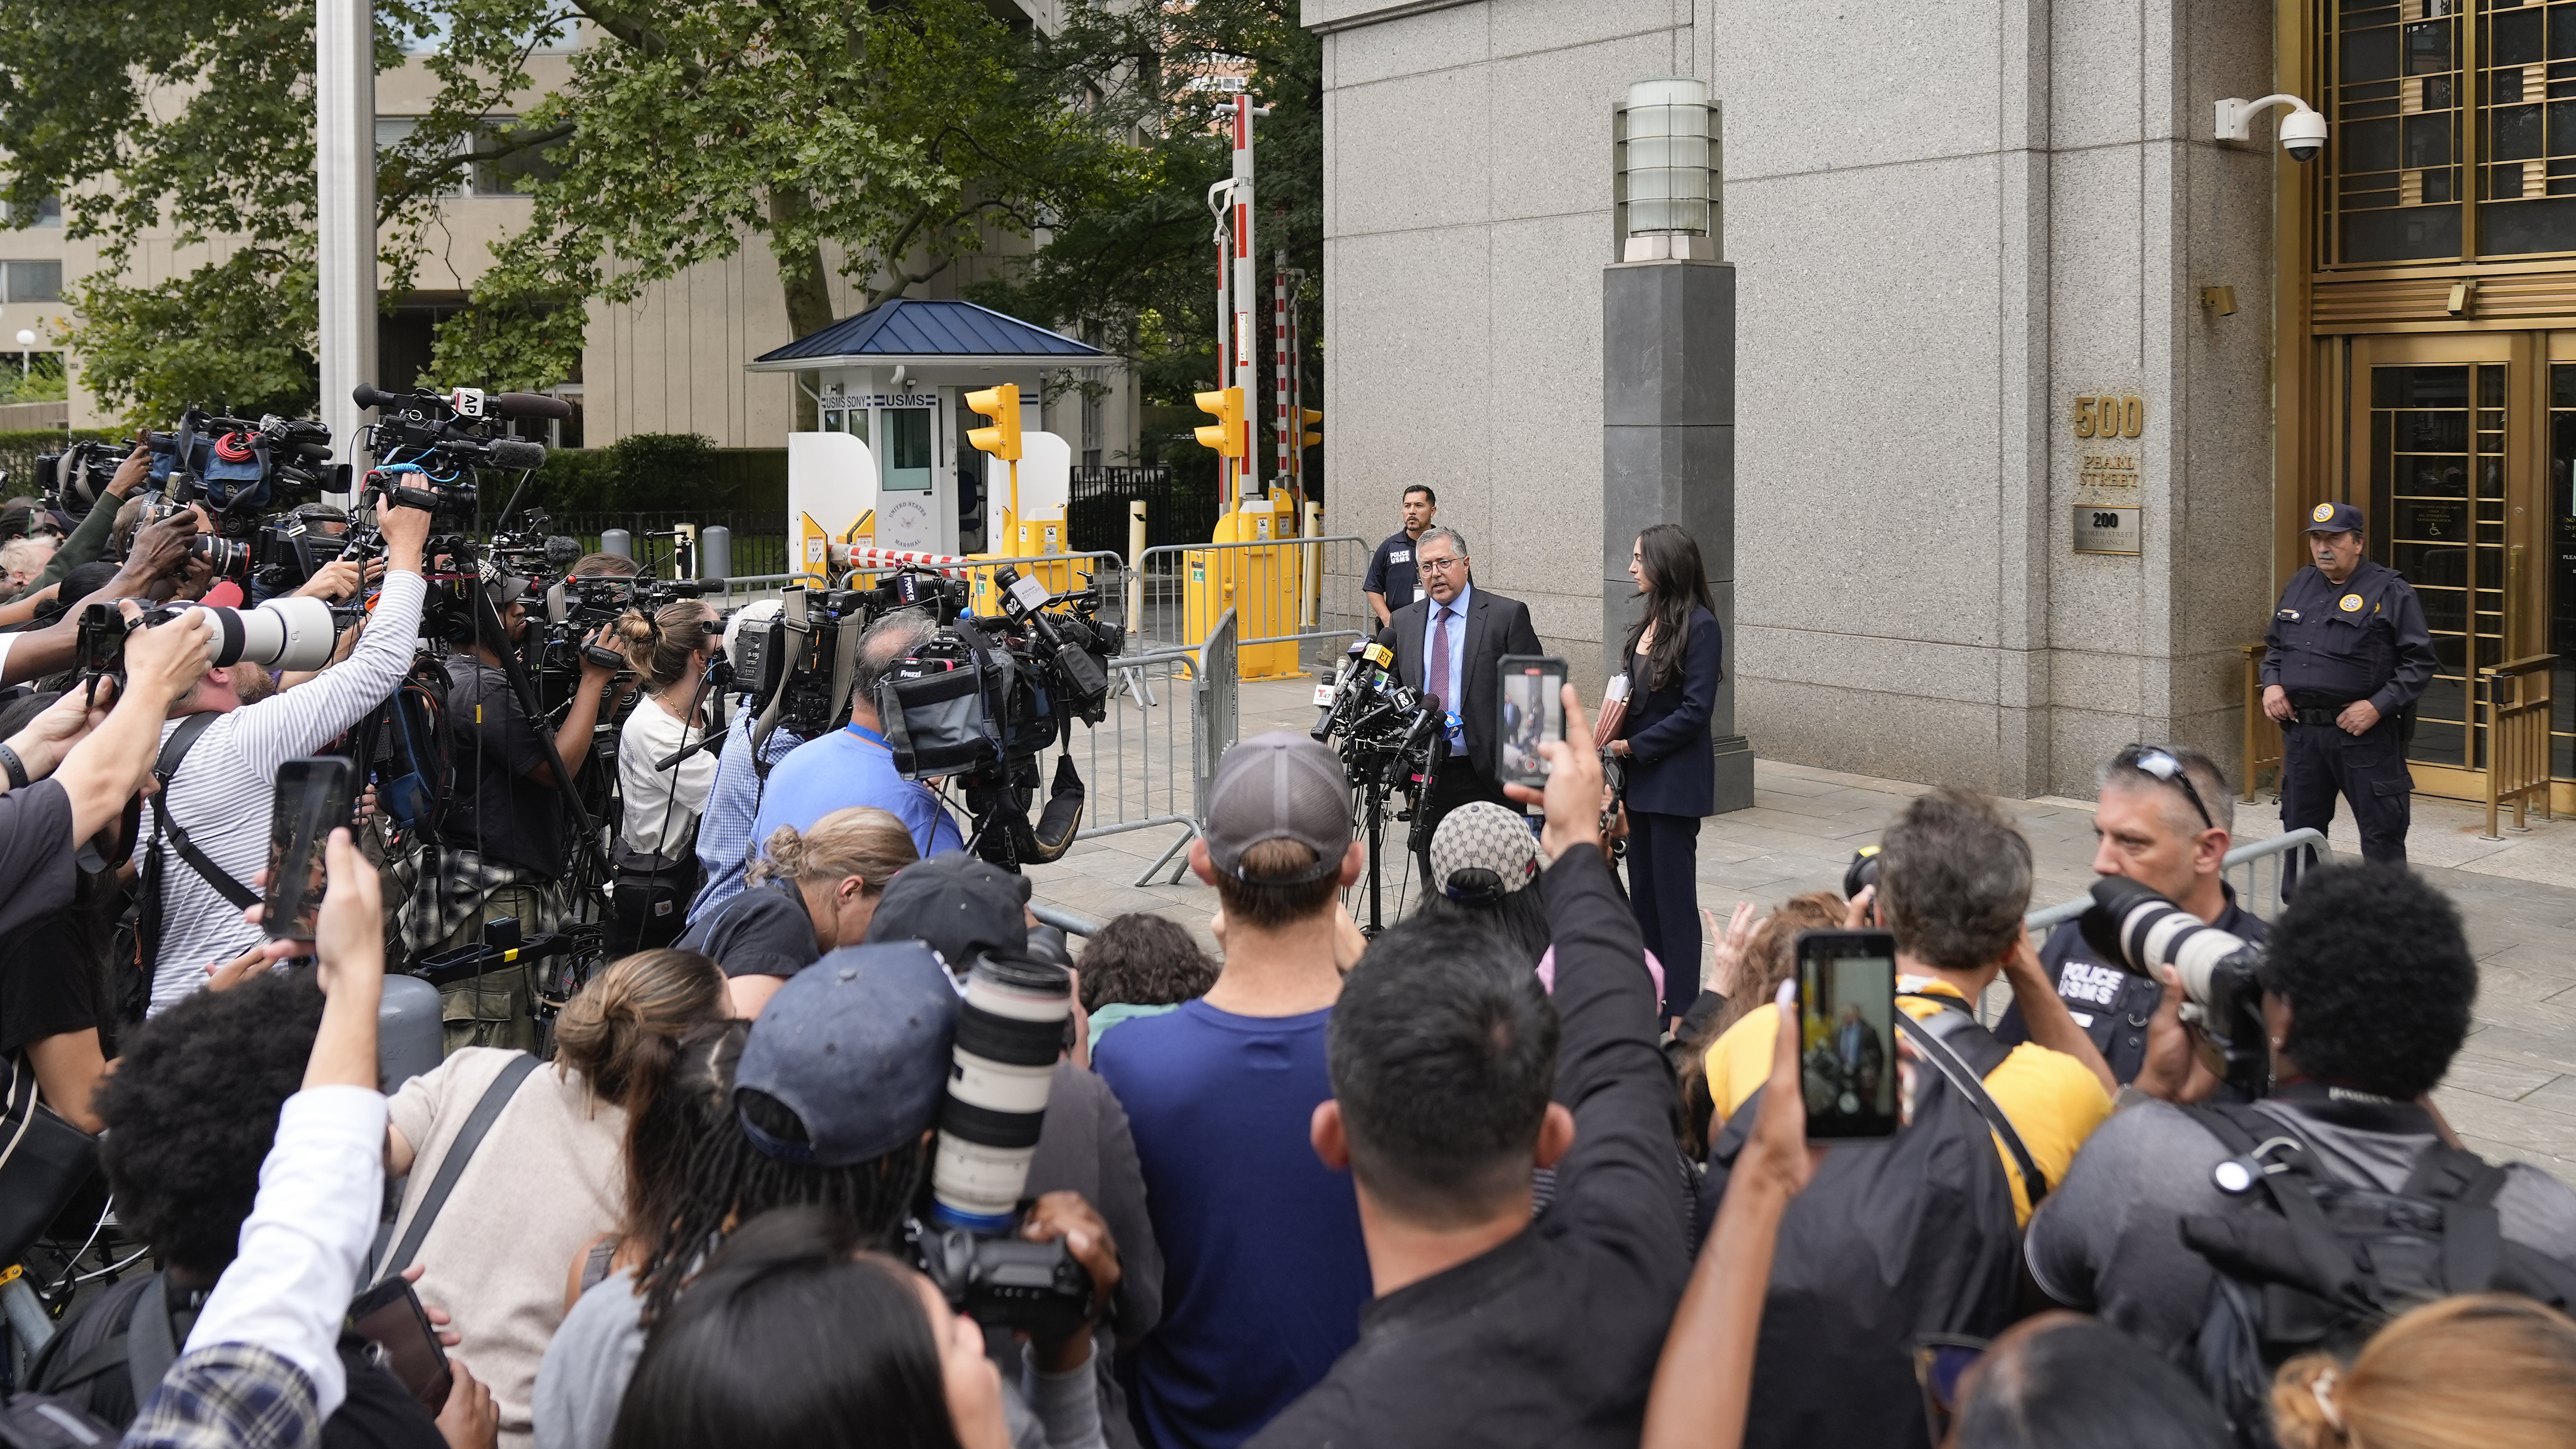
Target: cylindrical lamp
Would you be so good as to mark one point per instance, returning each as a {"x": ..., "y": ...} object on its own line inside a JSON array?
[{"x": 1664, "y": 159}]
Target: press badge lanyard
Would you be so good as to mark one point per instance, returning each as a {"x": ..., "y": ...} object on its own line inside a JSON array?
[{"x": 871, "y": 736}]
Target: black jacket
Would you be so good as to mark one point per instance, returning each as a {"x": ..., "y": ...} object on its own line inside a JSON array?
[
  {"x": 1674, "y": 769},
  {"x": 1496, "y": 626},
  {"x": 1550, "y": 1338}
]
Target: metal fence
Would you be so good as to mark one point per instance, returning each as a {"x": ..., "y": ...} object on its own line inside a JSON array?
[
  {"x": 1173, "y": 713},
  {"x": 2258, "y": 870},
  {"x": 1299, "y": 593},
  {"x": 1096, "y": 509},
  {"x": 760, "y": 543}
]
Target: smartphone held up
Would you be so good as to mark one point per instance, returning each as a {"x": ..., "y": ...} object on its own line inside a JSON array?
[
  {"x": 314, "y": 798},
  {"x": 1533, "y": 712},
  {"x": 1847, "y": 1034}
]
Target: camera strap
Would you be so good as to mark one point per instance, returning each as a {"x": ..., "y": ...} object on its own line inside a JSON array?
[
  {"x": 487, "y": 1110},
  {"x": 164, "y": 766},
  {"x": 1927, "y": 1038}
]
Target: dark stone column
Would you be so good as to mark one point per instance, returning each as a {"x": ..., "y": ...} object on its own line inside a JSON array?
[{"x": 1668, "y": 454}]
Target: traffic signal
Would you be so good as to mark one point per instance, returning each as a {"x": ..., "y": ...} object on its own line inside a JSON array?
[
  {"x": 1313, "y": 417},
  {"x": 1002, "y": 405},
  {"x": 1226, "y": 434}
]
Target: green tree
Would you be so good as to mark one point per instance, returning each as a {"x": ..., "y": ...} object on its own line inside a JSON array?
[
  {"x": 900, "y": 134},
  {"x": 1137, "y": 265}
]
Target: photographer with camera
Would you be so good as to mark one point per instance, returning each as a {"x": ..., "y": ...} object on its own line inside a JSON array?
[
  {"x": 656, "y": 868},
  {"x": 2170, "y": 1215},
  {"x": 2162, "y": 817},
  {"x": 505, "y": 842},
  {"x": 150, "y": 572},
  {"x": 91, "y": 538},
  {"x": 726, "y": 850},
  {"x": 853, "y": 765},
  {"x": 218, "y": 753}
]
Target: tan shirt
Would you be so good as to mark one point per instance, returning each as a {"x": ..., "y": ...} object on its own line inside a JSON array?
[{"x": 548, "y": 1178}]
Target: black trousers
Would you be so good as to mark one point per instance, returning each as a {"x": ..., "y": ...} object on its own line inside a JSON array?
[
  {"x": 2319, "y": 762},
  {"x": 1663, "y": 892},
  {"x": 1458, "y": 783}
]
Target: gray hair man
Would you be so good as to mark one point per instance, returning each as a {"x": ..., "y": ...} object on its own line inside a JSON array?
[
  {"x": 2163, "y": 818},
  {"x": 853, "y": 765}
]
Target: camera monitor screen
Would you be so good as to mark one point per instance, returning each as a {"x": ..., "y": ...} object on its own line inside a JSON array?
[{"x": 1847, "y": 1032}]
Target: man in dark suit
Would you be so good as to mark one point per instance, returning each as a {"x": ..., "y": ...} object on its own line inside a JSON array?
[{"x": 1446, "y": 644}]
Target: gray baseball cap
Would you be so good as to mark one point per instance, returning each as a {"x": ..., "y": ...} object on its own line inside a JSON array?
[
  {"x": 1279, "y": 786},
  {"x": 857, "y": 1045}
]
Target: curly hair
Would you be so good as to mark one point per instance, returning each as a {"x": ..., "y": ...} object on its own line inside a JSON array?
[
  {"x": 2379, "y": 978},
  {"x": 1143, "y": 960},
  {"x": 191, "y": 1110},
  {"x": 1954, "y": 879},
  {"x": 694, "y": 1104}
]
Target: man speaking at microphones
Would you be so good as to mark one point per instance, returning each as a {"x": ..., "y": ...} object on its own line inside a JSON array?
[{"x": 1447, "y": 644}]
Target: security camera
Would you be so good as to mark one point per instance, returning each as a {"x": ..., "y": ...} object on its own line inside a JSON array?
[{"x": 2303, "y": 135}]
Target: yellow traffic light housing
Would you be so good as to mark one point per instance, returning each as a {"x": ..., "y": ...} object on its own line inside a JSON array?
[
  {"x": 1312, "y": 417},
  {"x": 1225, "y": 436},
  {"x": 1002, "y": 405}
]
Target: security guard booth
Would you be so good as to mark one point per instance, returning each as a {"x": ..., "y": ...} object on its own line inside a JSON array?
[{"x": 894, "y": 378}]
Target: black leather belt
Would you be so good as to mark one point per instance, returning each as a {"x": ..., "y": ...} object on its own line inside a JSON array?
[{"x": 2317, "y": 716}]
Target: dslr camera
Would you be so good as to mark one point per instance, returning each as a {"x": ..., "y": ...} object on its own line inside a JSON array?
[
  {"x": 280, "y": 634},
  {"x": 1010, "y": 1030},
  {"x": 2222, "y": 991}
]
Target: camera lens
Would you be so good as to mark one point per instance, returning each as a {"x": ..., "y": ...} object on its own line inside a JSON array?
[
  {"x": 1009, "y": 1035},
  {"x": 280, "y": 634}
]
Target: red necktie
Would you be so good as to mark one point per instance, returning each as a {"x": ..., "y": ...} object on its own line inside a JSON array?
[{"x": 1437, "y": 681}]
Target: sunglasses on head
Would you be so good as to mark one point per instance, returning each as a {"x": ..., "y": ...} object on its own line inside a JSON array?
[{"x": 2160, "y": 763}]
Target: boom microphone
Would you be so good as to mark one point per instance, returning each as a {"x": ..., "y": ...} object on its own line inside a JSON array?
[
  {"x": 529, "y": 405},
  {"x": 367, "y": 395}
]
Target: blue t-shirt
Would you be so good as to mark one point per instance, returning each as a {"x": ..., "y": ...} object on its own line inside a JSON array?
[
  {"x": 1264, "y": 1273},
  {"x": 851, "y": 766}
]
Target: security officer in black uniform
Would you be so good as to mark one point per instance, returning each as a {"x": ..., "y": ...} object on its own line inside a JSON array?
[{"x": 2348, "y": 653}]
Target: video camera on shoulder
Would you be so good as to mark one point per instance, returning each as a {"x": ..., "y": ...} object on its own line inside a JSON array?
[{"x": 2141, "y": 930}]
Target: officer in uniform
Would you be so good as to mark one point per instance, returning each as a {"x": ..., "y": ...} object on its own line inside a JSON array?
[
  {"x": 2348, "y": 651},
  {"x": 1392, "y": 580}
]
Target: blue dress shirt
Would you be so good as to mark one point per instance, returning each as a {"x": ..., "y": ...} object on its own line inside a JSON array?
[{"x": 1448, "y": 689}]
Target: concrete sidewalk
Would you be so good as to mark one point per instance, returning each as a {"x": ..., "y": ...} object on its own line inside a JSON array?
[{"x": 2511, "y": 1093}]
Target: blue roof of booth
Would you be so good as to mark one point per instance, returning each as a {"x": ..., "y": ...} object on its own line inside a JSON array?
[{"x": 910, "y": 330}]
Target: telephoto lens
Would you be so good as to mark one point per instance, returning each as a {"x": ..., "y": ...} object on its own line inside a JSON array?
[
  {"x": 1009, "y": 1034},
  {"x": 291, "y": 633}
]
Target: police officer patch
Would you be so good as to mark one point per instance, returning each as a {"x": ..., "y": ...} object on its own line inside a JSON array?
[
  {"x": 2323, "y": 512},
  {"x": 2350, "y": 604}
]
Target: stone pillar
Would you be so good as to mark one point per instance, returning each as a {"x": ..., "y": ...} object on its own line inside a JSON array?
[{"x": 1668, "y": 455}]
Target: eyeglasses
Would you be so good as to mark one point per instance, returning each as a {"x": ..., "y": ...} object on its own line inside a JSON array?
[
  {"x": 2149, "y": 760},
  {"x": 1439, "y": 565}
]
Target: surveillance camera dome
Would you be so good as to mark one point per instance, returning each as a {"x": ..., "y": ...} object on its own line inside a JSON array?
[{"x": 2303, "y": 135}]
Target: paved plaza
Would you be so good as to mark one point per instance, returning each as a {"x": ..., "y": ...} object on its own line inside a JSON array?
[{"x": 2511, "y": 1093}]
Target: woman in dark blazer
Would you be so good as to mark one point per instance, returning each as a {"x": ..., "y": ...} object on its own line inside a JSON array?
[{"x": 1675, "y": 657}]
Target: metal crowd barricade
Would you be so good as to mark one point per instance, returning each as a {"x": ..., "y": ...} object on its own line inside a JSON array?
[
  {"x": 2518, "y": 706},
  {"x": 1282, "y": 591},
  {"x": 1140, "y": 756},
  {"x": 2258, "y": 870},
  {"x": 2263, "y": 746}
]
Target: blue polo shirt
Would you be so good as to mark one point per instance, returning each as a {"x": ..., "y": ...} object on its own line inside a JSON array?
[{"x": 851, "y": 766}]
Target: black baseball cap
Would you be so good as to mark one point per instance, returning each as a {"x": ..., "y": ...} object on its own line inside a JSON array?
[{"x": 957, "y": 905}]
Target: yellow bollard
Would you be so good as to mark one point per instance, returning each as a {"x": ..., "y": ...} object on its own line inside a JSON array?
[{"x": 1259, "y": 584}]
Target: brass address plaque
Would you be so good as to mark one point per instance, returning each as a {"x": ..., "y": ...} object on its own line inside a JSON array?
[{"x": 2107, "y": 415}]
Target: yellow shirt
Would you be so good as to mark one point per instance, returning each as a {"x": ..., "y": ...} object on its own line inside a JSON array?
[{"x": 2054, "y": 1103}]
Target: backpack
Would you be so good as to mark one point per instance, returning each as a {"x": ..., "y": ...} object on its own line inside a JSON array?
[
  {"x": 2308, "y": 1262},
  {"x": 1891, "y": 1242},
  {"x": 414, "y": 769}
]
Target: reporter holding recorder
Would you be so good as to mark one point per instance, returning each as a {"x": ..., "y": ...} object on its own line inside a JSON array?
[
  {"x": 1675, "y": 657},
  {"x": 207, "y": 832}
]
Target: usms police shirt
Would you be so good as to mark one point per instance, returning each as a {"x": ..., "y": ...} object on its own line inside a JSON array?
[
  {"x": 2112, "y": 1004},
  {"x": 1393, "y": 572}
]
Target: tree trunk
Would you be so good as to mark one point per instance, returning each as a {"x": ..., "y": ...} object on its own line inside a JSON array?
[{"x": 808, "y": 290}]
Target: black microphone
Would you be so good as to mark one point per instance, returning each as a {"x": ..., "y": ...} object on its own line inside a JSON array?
[
  {"x": 368, "y": 396},
  {"x": 528, "y": 405},
  {"x": 517, "y": 453}
]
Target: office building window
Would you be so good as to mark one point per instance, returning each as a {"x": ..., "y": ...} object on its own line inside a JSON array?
[
  {"x": 49, "y": 212},
  {"x": 31, "y": 281}
]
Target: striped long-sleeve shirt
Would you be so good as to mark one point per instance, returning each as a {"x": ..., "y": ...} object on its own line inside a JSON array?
[{"x": 222, "y": 792}]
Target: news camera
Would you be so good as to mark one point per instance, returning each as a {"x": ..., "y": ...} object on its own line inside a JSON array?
[
  {"x": 280, "y": 634},
  {"x": 432, "y": 444},
  {"x": 2222, "y": 991},
  {"x": 983, "y": 699}
]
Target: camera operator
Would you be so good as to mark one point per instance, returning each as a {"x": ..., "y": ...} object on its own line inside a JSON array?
[
  {"x": 656, "y": 870},
  {"x": 505, "y": 841},
  {"x": 1446, "y": 644},
  {"x": 207, "y": 834},
  {"x": 90, "y": 539},
  {"x": 63, "y": 779},
  {"x": 2367, "y": 988},
  {"x": 853, "y": 765},
  {"x": 2162, "y": 816},
  {"x": 725, "y": 847},
  {"x": 151, "y": 571}
]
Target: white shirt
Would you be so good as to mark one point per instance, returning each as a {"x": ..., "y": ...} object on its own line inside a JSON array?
[
  {"x": 320, "y": 1189},
  {"x": 654, "y": 734}
]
